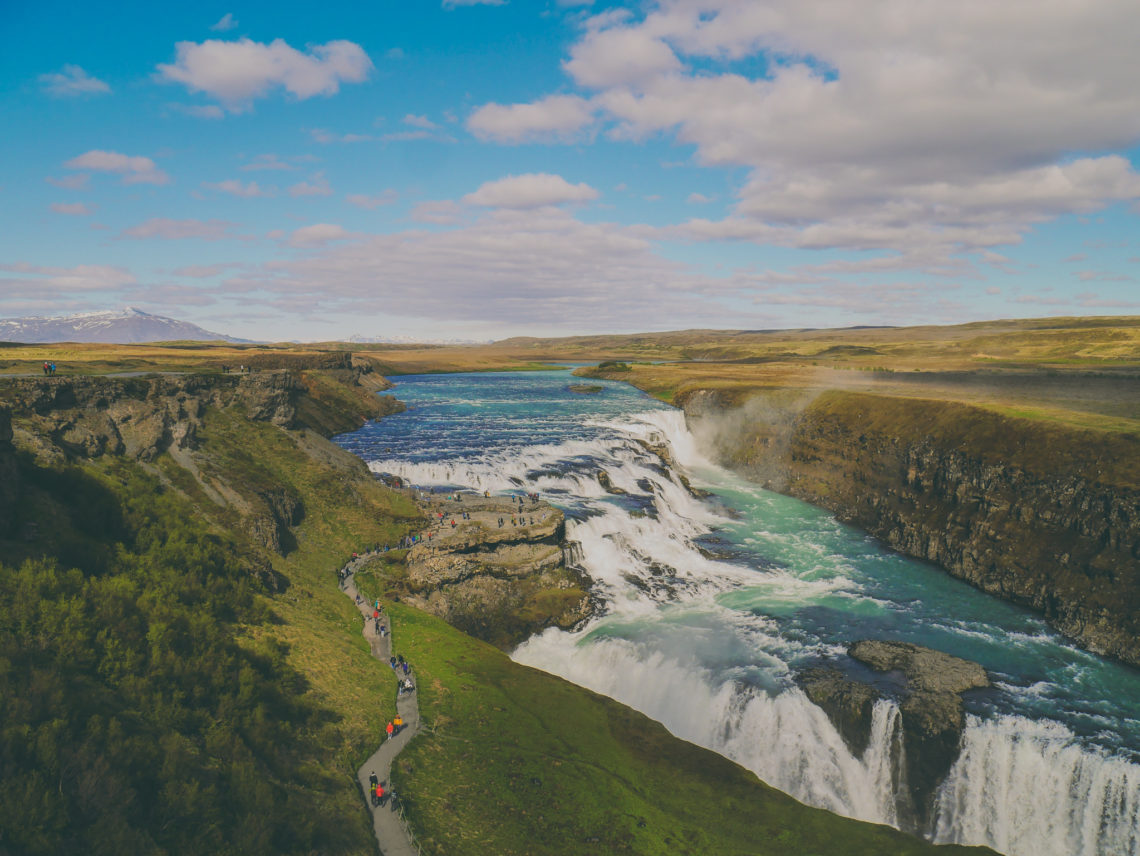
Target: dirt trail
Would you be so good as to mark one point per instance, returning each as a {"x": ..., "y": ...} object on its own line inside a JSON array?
[{"x": 391, "y": 832}]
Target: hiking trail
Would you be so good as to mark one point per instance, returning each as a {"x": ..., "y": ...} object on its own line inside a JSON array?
[{"x": 392, "y": 833}]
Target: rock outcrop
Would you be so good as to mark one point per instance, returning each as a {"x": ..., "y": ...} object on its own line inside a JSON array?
[
  {"x": 927, "y": 685},
  {"x": 1036, "y": 513},
  {"x": 498, "y": 582},
  {"x": 76, "y": 418}
]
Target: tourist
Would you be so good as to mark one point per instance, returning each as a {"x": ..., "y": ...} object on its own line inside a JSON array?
[
  {"x": 399, "y": 723},
  {"x": 391, "y": 729}
]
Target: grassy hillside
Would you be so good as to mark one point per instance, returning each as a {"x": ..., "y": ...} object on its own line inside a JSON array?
[{"x": 516, "y": 761}]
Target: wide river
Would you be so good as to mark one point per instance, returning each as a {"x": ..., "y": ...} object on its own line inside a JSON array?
[{"x": 711, "y": 605}]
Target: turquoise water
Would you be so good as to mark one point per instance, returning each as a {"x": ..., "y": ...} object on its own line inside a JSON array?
[{"x": 712, "y": 605}]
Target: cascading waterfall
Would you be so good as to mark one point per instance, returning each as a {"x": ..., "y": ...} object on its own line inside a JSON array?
[
  {"x": 708, "y": 613},
  {"x": 1028, "y": 787}
]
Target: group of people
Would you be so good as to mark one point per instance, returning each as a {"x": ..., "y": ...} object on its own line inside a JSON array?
[
  {"x": 49, "y": 369},
  {"x": 378, "y": 794}
]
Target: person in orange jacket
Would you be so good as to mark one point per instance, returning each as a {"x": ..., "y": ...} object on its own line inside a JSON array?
[
  {"x": 399, "y": 723},
  {"x": 391, "y": 729}
]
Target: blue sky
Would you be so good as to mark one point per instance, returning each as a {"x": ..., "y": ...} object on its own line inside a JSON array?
[{"x": 480, "y": 170}]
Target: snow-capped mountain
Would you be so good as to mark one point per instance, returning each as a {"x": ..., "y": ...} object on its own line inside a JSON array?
[{"x": 125, "y": 327}]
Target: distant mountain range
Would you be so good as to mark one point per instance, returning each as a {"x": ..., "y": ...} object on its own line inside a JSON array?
[
  {"x": 412, "y": 340},
  {"x": 125, "y": 327}
]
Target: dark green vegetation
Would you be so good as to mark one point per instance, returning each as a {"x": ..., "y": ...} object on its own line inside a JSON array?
[
  {"x": 133, "y": 720},
  {"x": 178, "y": 672},
  {"x": 515, "y": 761}
]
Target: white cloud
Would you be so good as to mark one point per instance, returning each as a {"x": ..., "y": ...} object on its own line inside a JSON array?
[
  {"x": 72, "y": 80},
  {"x": 174, "y": 230},
  {"x": 699, "y": 199},
  {"x": 880, "y": 125},
  {"x": 324, "y": 137},
  {"x": 442, "y": 212},
  {"x": 317, "y": 185},
  {"x": 509, "y": 267},
  {"x": 37, "y": 279},
  {"x": 76, "y": 181},
  {"x": 620, "y": 56},
  {"x": 267, "y": 161},
  {"x": 318, "y": 234},
  {"x": 74, "y": 209},
  {"x": 227, "y": 22},
  {"x": 205, "y": 271},
  {"x": 361, "y": 200},
  {"x": 235, "y": 188},
  {"x": 134, "y": 169},
  {"x": 553, "y": 117},
  {"x": 532, "y": 190},
  {"x": 419, "y": 122},
  {"x": 238, "y": 72}
]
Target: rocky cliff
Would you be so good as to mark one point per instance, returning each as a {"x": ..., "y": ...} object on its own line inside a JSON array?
[
  {"x": 64, "y": 420},
  {"x": 491, "y": 567},
  {"x": 1037, "y": 513}
]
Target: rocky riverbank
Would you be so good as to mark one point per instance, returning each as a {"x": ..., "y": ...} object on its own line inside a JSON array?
[{"x": 1041, "y": 514}]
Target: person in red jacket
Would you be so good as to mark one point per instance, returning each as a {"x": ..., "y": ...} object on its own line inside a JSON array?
[{"x": 391, "y": 729}]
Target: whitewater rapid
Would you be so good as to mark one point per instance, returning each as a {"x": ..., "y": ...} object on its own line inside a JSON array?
[{"x": 680, "y": 640}]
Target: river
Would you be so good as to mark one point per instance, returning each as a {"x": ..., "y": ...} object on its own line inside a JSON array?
[{"x": 711, "y": 605}]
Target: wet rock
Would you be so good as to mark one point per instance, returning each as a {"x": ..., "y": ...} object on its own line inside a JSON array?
[
  {"x": 608, "y": 485},
  {"x": 848, "y": 703}
]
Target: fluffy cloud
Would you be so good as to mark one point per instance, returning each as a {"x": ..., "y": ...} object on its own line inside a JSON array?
[
  {"x": 173, "y": 230},
  {"x": 318, "y": 234},
  {"x": 238, "y": 72},
  {"x": 361, "y": 200},
  {"x": 441, "y": 212},
  {"x": 76, "y": 181},
  {"x": 74, "y": 209},
  {"x": 317, "y": 185},
  {"x": 235, "y": 188},
  {"x": 225, "y": 23},
  {"x": 72, "y": 80},
  {"x": 532, "y": 190},
  {"x": 553, "y": 117},
  {"x": 419, "y": 122},
  {"x": 34, "y": 280},
  {"x": 324, "y": 137},
  {"x": 926, "y": 130},
  {"x": 540, "y": 268},
  {"x": 134, "y": 169}
]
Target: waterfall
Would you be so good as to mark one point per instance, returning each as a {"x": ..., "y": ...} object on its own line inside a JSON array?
[
  {"x": 721, "y": 677},
  {"x": 1027, "y": 787}
]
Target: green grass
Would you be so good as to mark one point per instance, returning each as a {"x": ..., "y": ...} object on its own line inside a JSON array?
[{"x": 515, "y": 761}]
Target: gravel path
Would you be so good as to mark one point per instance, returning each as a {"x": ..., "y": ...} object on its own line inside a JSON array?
[{"x": 391, "y": 832}]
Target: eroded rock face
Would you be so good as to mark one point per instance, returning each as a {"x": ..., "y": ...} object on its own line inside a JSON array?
[
  {"x": 500, "y": 583},
  {"x": 927, "y": 688},
  {"x": 849, "y": 704},
  {"x": 1023, "y": 511}
]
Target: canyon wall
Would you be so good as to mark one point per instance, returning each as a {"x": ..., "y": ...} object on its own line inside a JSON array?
[{"x": 1035, "y": 512}]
